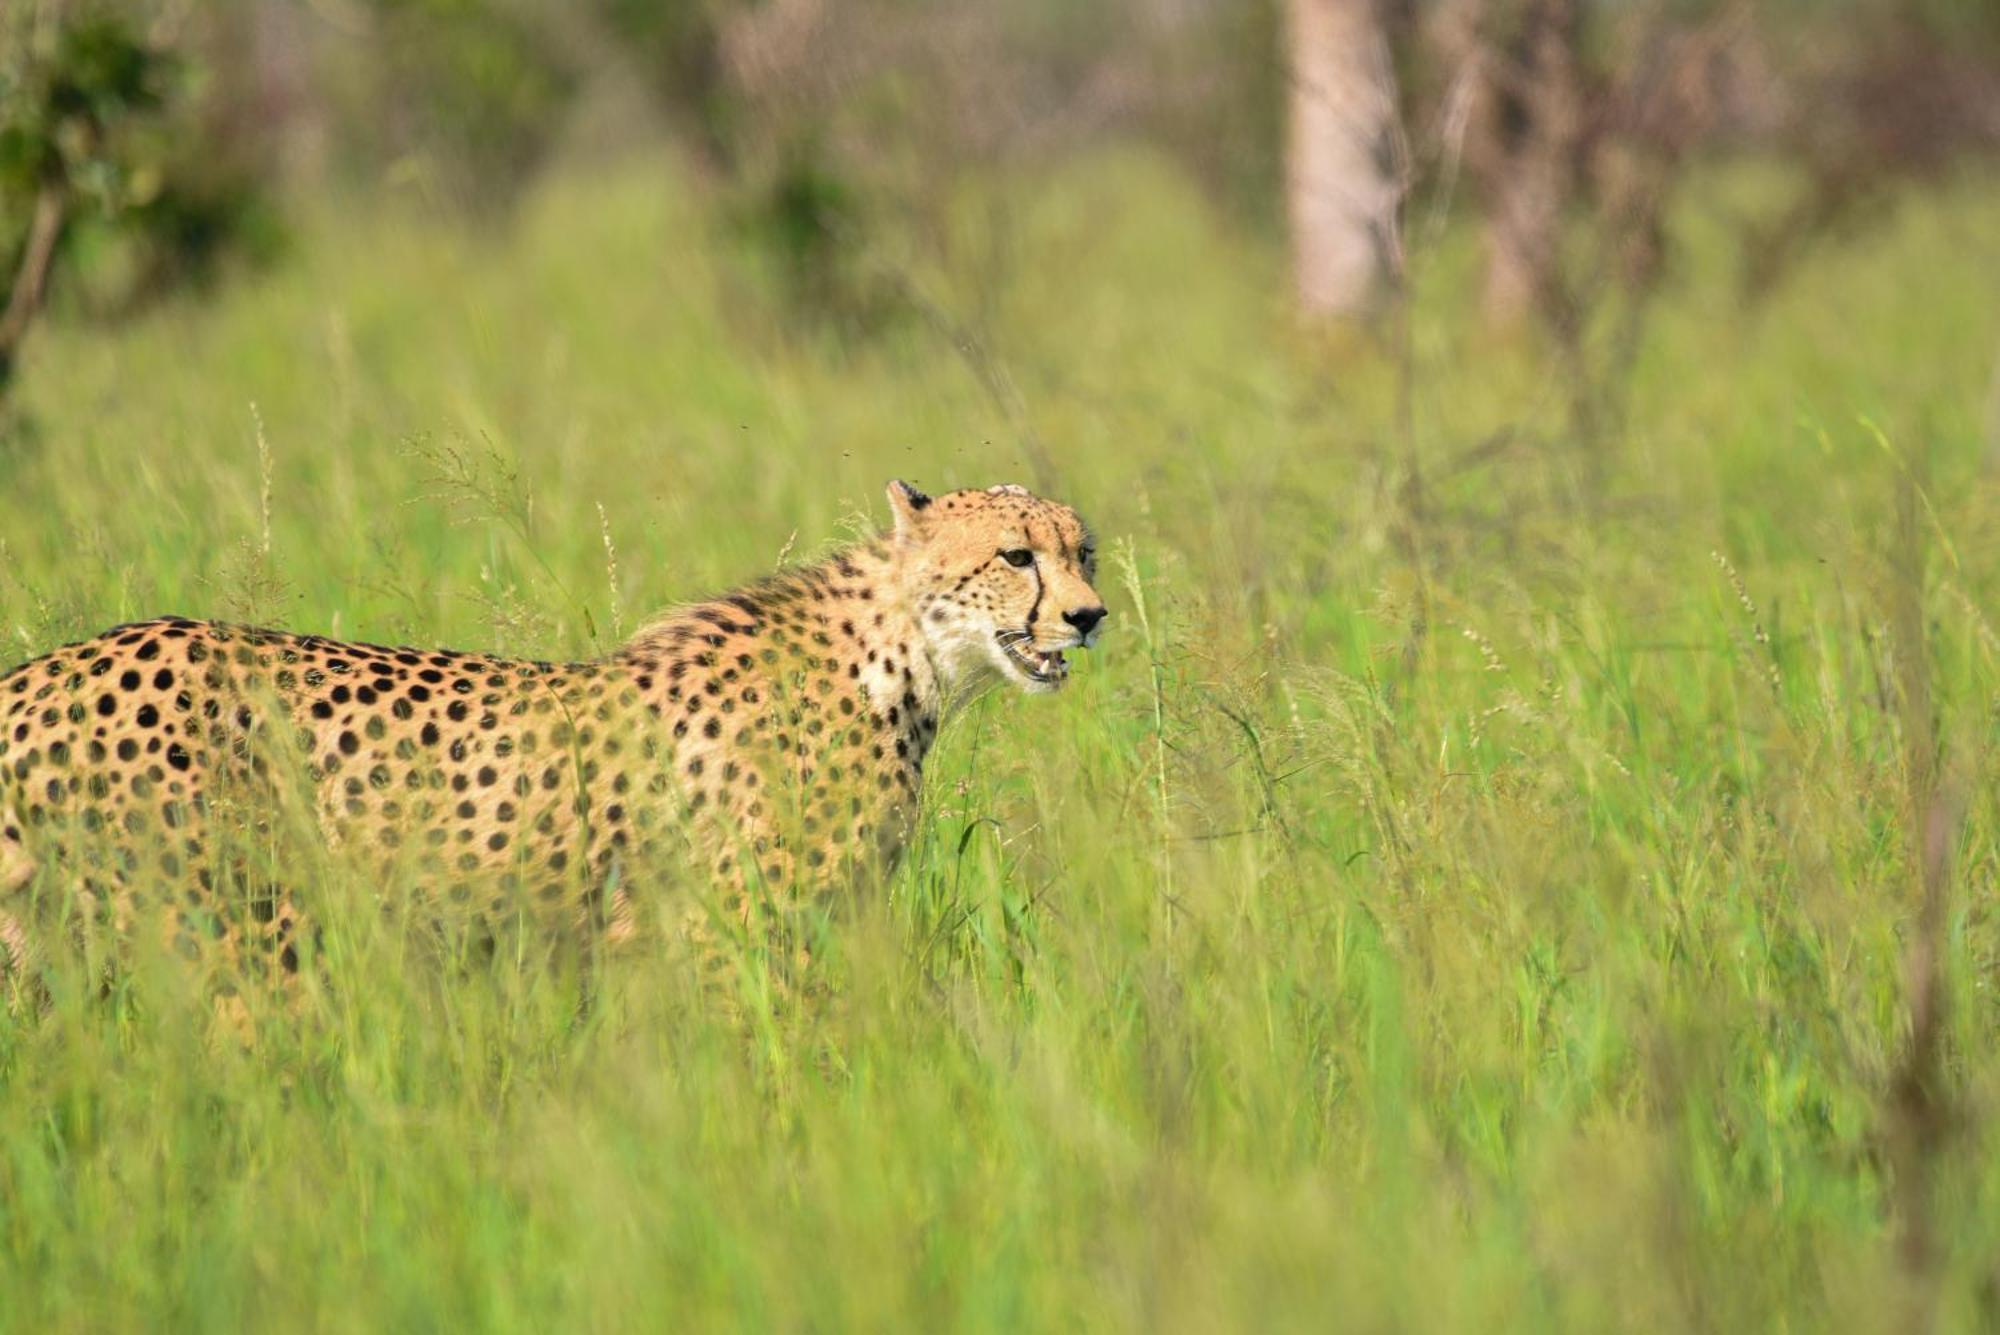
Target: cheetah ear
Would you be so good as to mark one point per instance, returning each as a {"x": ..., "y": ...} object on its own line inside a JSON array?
[{"x": 908, "y": 505}]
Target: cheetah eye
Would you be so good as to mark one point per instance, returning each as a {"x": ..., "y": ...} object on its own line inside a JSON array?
[
  {"x": 1086, "y": 555},
  {"x": 1018, "y": 557}
]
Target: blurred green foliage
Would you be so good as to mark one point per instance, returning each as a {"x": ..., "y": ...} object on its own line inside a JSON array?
[
  {"x": 676, "y": 48},
  {"x": 67, "y": 102},
  {"x": 833, "y": 132},
  {"x": 466, "y": 94},
  {"x": 123, "y": 132}
]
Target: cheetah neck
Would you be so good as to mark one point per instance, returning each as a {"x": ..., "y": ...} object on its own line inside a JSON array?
[
  {"x": 871, "y": 588},
  {"x": 857, "y": 608}
]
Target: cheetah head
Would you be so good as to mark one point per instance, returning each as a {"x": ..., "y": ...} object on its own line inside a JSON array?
[{"x": 999, "y": 580}]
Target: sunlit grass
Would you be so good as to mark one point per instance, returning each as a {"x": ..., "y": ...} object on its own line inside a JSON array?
[{"x": 1481, "y": 906}]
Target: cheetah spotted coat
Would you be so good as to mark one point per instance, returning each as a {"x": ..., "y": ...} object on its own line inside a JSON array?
[{"x": 775, "y": 736}]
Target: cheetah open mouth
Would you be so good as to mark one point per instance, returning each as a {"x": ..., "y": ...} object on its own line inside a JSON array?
[{"x": 1044, "y": 666}]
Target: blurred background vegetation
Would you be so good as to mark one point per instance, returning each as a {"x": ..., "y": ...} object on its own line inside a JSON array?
[{"x": 146, "y": 144}]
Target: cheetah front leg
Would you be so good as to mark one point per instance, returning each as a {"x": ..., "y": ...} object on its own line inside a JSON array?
[
  {"x": 16, "y": 867},
  {"x": 16, "y": 870}
]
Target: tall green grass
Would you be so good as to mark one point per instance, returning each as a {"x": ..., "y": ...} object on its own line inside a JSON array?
[{"x": 1468, "y": 905}]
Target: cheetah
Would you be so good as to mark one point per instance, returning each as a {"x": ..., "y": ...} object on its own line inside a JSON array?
[{"x": 775, "y": 736}]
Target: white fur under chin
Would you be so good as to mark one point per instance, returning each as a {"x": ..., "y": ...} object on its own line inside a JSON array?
[{"x": 970, "y": 659}]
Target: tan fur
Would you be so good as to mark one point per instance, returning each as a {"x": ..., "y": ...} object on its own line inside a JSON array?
[
  {"x": 777, "y": 735},
  {"x": 16, "y": 867}
]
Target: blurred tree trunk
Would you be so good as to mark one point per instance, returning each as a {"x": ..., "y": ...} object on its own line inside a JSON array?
[
  {"x": 1519, "y": 84},
  {"x": 1534, "y": 190},
  {"x": 31, "y": 280},
  {"x": 1342, "y": 183}
]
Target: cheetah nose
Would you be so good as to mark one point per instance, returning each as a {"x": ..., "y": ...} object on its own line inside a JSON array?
[{"x": 1085, "y": 619}]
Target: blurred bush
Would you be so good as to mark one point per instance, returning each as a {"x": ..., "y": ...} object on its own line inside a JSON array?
[
  {"x": 465, "y": 95},
  {"x": 125, "y": 167},
  {"x": 842, "y": 126},
  {"x": 677, "y": 48},
  {"x": 1897, "y": 92}
]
